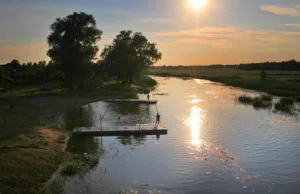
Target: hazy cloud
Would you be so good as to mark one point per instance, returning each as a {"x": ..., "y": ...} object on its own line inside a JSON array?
[
  {"x": 3, "y": 41},
  {"x": 156, "y": 20},
  {"x": 281, "y": 10},
  {"x": 231, "y": 38},
  {"x": 293, "y": 25}
]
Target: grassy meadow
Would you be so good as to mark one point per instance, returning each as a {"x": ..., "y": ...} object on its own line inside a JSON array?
[{"x": 280, "y": 83}]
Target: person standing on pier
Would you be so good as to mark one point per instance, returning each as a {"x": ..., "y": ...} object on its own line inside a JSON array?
[{"x": 157, "y": 121}]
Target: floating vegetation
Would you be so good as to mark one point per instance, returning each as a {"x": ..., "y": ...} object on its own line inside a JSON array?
[
  {"x": 267, "y": 98},
  {"x": 245, "y": 99},
  {"x": 259, "y": 103},
  {"x": 264, "y": 101},
  {"x": 284, "y": 105}
]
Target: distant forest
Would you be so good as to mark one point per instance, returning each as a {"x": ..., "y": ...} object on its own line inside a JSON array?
[{"x": 291, "y": 65}]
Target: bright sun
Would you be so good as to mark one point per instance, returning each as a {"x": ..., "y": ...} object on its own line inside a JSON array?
[{"x": 197, "y": 4}]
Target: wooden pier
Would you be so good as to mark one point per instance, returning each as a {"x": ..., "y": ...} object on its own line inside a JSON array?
[
  {"x": 120, "y": 131},
  {"x": 136, "y": 101}
]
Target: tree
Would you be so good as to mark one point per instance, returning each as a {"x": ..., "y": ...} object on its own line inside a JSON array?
[
  {"x": 128, "y": 55},
  {"x": 72, "y": 45},
  {"x": 13, "y": 67}
]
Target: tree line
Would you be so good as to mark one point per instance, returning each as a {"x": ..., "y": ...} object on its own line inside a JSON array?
[
  {"x": 291, "y": 65},
  {"x": 73, "y": 49}
]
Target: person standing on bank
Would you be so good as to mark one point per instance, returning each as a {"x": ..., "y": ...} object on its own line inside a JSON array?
[{"x": 148, "y": 96}]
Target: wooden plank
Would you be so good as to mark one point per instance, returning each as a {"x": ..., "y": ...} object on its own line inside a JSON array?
[{"x": 137, "y": 101}]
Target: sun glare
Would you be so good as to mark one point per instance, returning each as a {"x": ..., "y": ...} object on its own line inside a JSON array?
[{"x": 197, "y": 4}]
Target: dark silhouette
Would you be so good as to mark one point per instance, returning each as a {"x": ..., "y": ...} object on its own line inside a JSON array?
[
  {"x": 73, "y": 46},
  {"x": 291, "y": 65},
  {"x": 263, "y": 75},
  {"x": 128, "y": 55},
  {"x": 157, "y": 120}
]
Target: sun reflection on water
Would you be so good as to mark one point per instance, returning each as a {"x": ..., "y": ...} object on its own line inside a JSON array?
[{"x": 195, "y": 122}]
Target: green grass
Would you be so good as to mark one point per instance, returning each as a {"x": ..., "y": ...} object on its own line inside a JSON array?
[
  {"x": 281, "y": 83},
  {"x": 27, "y": 160},
  {"x": 71, "y": 168},
  {"x": 78, "y": 164}
]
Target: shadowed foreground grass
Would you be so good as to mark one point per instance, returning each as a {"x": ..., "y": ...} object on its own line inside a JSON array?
[
  {"x": 27, "y": 161},
  {"x": 281, "y": 83},
  {"x": 29, "y": 154}
]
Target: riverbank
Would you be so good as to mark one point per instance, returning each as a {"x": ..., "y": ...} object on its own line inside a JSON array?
[
  {"x": 280, "y": 83},
  {"x": 27, "y": 158}
]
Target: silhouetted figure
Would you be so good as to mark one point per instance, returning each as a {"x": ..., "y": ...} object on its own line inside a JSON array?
[
  {"x": 148, "y": 97},
  {"x": 157, "y": 121}
]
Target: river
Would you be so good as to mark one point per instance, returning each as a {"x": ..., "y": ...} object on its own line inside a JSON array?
[{"x": 214, "y": 144}]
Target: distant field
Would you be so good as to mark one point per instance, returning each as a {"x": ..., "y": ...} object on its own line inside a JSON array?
[{"x": 281, "y": 83}]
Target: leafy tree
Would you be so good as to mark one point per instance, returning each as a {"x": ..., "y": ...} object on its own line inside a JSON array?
[
  {"x": 128, "y": 55},
  {"x": 73, "y": 46},
  {"x": 13, "y": 67}
]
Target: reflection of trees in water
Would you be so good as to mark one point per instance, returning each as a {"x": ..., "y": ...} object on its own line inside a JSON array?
[
  {"x": 79, "y": 117},
  {"x": 132, "y": 140},
  {"x": 125, "y": 109},
  {"x": 79, "y": 145},
  {"x": 140, "y": 112}
]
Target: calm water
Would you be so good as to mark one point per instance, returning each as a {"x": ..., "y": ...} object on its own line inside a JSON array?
[{"x": 214, "y": 145}]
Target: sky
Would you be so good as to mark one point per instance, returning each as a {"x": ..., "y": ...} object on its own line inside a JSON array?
[{"x": 220, "y": 32}]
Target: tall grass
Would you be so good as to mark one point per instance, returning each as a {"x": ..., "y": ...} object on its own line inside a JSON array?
[
  {"x": 285, "y": 105},
  {"x": 263, "y": 101},
  {"x": 79, "y": 163}
]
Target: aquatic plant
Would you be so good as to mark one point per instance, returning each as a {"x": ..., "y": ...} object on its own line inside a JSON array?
[
  {"x": 79, "y": 163},
  {"x": 259, "y": 103},
  {"x": 286, "y": 101},
  {"x": 266, "y": 98},
  {"x": 245, "y": 99},
  {"x": 285, "y": 105}
]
